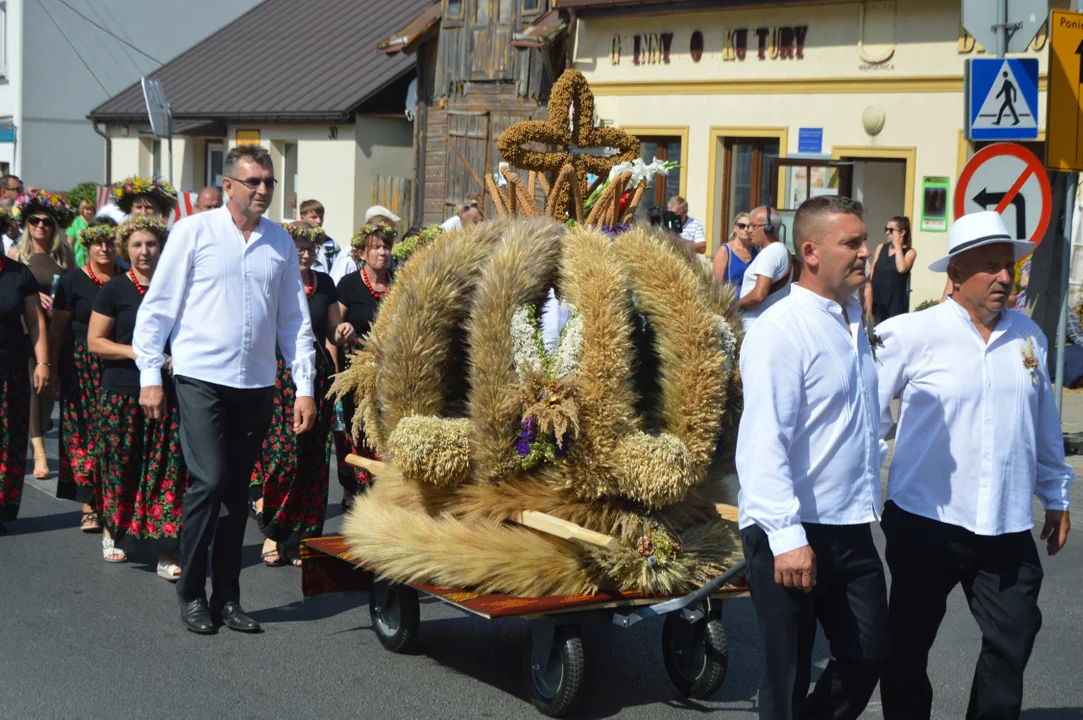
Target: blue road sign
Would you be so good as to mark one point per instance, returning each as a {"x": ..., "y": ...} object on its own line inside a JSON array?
[{"x": 1002, "y": 99}]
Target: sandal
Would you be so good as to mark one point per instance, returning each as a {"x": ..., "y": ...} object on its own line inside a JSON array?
[
  {"x": 3, "y": 530},
  {"x": 293, "y": 556},
  {"x": 274, "y": 552},
  {"x": 170, "y": 571},
  {"x": 111, "y": 553},
  {"x": 41, "y": 474},
  {"x": 90, "y": 522}
]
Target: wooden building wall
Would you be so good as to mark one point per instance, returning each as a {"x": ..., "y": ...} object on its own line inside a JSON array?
[{"x": 472, "y": 85}]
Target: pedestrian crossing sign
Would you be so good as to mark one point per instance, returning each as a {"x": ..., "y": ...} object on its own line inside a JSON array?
[{"x": 1001, "y": 99}]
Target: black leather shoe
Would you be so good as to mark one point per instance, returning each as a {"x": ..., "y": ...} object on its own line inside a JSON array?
[
  {"x": 234, "y": 617},
  {"x": 197, "y": 617}
]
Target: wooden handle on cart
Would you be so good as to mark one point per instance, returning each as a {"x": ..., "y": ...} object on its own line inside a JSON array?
[
  {"x": 563, "y": 529},
  {"x": 376, "y": 467},
  {"x": 728, "y": 512}
]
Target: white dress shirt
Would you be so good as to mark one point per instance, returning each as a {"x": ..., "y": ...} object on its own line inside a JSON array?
[
  {"x": 344, "y": 265},
  {"x": 978, "y": 433},
  {"x": 223, "y": 304},
  {"x": 807, "y": 447},
  {"x": 773, "y": 262}
]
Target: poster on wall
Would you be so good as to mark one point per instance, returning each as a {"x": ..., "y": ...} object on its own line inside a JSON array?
[{"x": 934, "y": 204}]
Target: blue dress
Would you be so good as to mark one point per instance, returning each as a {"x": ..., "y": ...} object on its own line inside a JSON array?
[{"x": 735, "y": 269}]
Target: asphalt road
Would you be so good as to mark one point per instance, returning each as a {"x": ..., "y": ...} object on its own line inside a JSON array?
[{"x": 85, "y": 639}]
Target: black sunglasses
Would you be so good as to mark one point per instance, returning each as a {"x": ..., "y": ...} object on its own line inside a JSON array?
[
  {"x": 742, "y": 226},
  {"x": 890, "y": 230},
  {"x": 254, "y": 183},
  {"x": 46, "y": 221}
]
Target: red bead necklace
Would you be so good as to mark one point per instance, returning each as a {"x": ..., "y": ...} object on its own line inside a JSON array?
[
  {"x": 368, "y": 284},
  {"x": 131, "y": 276},
  {"x": 309, "y": 289},
  {"x": 90, "y": 272}
]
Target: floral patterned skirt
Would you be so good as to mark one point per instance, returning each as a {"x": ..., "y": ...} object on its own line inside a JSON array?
[
  {"x": 352, "y": 479},
  {"x": 292, "y": 472},
  {"x": 80, "y": 387},
  {"x": 14, "y": 432},
  {"x": 143, "y": 473}
]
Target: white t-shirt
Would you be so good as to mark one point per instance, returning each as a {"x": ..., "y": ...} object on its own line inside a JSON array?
[
  {"x": 773, "y": 262},
  {"x": 452, "y": 223}
]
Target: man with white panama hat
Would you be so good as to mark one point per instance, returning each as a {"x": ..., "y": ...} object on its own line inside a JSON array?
[{"x": 978, "y": 437}]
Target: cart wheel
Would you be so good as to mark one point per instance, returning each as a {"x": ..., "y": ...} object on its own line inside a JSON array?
[
  {"x": 696, "y": 655},
  {"x": 554, "y": 690},
  {"x": 395, "y": 615}
]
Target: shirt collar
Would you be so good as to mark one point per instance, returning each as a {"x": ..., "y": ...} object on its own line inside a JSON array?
[
  {"x": 1004, "y": 323},
  {"x": 853, "y": 307}
]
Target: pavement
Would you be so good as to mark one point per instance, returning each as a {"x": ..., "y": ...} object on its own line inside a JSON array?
[{"x": 82, "y": 638}]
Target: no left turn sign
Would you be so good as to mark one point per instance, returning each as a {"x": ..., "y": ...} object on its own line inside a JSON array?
[{"x": 1007, "y": 178}]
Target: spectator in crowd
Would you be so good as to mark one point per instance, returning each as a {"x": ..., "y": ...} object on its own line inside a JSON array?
[
  {"x": 732, "y": 259},
  {"x": 887, "y": 293},
  {"x": 45, "y": 250},
  {"x": 10, "y": 187},
  {"x": 691, "y": 229},
  {"x": 470, "y": 213},
  {"x": 312, "y": 212},
  {"x": 809, "y": 468},
  {"x": 978, "y": 440},
  {"x": 86, "y": 212},
  {"x": 210, "y": 198},
  {"x": 13, "y": 231},
  {"x": 767, "y": 278}
]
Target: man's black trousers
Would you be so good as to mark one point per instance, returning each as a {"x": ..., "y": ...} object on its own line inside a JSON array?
[
  {"x": 221, "y": 433},
  {"x": 1001, "y": 576},
  {"x": 849, "y": 601}
]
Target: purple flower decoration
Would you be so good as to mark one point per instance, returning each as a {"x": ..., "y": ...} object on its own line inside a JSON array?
[
  {"x": 615, "y": 229},
  {"x": 527, "y": 435}
]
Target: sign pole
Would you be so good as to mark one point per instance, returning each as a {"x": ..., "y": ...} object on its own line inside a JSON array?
[
  {"x": 1002, "y": 28},
  {"x": 170, "y": 124},
  {"x": 1065, "y": 268}
]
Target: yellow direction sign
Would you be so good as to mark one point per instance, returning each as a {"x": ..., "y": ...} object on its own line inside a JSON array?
[{"x": 1064, "y": 118}]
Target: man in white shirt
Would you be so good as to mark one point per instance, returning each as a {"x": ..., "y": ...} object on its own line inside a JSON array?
[
  {"x": 691, "y": 229},
  {"x": 228, "y": 292},
  {"x": 809, "y": 467},
  {"x": 767, "y": 279},
  {"x": 469, "y": 214},
  {"x": 978, "y": 438}
]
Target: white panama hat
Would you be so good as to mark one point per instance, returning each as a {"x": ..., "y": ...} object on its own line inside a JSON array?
[
  {"x": 380, "y": 210},
  {"x": 978, "y": 229}
]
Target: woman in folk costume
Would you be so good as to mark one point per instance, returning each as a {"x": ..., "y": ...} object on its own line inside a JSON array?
[
  {"x": 44, "y": 249},
  {"x": 139, "y": 196},
  {"x": 80, "y": 372},
  {"x": 143, "y": 474},
  {"x": 19, "y": 303},
  {"x": 359, "y": 296},
  {"x": 289, "y": 483}
]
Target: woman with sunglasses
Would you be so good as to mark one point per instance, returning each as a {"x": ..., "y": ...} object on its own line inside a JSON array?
[
  {"x": 79, "y": 373},
  {"x": 733, "y": 258},
  {"x": 289, "y": 483},
  {"x": 142, "y": 470},
  {"x": 887, "y": 293},
  {"x": 140, "y": 196},
  {"x": 359, "y": 297},
  {"x": 45, "y": 250}
]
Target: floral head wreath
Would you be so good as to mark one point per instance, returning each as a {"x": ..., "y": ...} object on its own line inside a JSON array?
[
  {"x": 299, "y": 230},
  {"x": 405, "y": 248},
  {"x": 49, "y": 203},
  {"x": 97, "y": 234},
  {"x": 148, "y": 223},
  {"x": 317, "y": 234},
  {"x": 382, "y": 229},
  {"x": 5, "y": 219},
  {"x": 162, "y": 192}
]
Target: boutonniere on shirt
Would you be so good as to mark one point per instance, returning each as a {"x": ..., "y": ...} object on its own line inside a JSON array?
[
  {"x": 875, "y": 341},
  {"x": 1030, "y": 362}
]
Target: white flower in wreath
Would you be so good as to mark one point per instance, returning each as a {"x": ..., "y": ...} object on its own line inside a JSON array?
[
  {"x": 727, "y": 341},
  {"x": 568, "y": 352},
  {"x": 527, "y": 354}
]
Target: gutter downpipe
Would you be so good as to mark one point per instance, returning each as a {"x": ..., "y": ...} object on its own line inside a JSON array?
[{"x": 108, "y": 153}]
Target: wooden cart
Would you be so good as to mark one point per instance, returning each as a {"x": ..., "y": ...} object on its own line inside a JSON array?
[{"x": 694, "y": 646}]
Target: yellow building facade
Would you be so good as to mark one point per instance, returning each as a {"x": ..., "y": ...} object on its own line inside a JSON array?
[{"x": 867, "y": 97}]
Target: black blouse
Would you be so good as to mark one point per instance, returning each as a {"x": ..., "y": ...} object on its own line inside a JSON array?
[
  {"x": 323, "y": 297},
  {"x": 120, "y": 299},
  {"x": 75, "y": 294},
  {"x": 16, "y": 284},
  {"x": 360, "y": 303}
]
